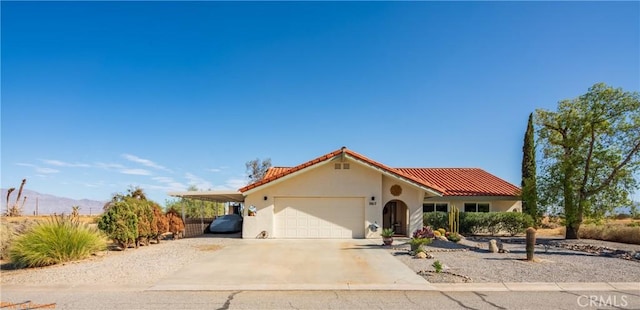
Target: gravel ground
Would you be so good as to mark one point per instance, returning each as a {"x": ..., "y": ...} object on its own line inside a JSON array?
[
  {"x": 151, "y": 264},
  {"x": 556, "y": 265}
]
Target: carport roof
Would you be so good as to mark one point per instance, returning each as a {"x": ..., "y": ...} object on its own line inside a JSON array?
[{"x": 223, "y": 196}]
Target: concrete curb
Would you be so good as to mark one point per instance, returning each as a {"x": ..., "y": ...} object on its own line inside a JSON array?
[
  {"x": 438, "y": 287},
  {"x": 441, "y": 287}
]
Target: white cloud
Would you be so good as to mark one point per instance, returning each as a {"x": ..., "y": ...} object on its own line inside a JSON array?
[
  {"x": 59, "y": 163},
  {"x": 39, "y": 170},
  {"x": 46, "y": 170},
  {"x": 231, "y": 184},
  {"x": 170, "y": 183},
  {"x": 109, "y": 166},
  {"x": 214, "y": 170},
  {"x": 135, "y": 171},
  {"x": 172, "y": 187},
  {"x": 144, "y": 162},
  {"x": 199, "y": 182},
  {"x": 163, "y": 179}
]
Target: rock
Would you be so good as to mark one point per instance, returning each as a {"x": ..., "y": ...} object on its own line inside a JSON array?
[
  {"x": 421, "y": 255},
  {"x": 443, "y": 238},
  {"x": 501, "y": 248},
  {"x": 493, "y": 246},
  {"x": 637, "y": 255}
]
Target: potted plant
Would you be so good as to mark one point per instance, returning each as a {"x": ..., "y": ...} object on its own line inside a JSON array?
[{"x": 387, "y": 236}]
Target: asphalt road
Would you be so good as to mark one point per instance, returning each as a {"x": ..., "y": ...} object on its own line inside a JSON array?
[{"x": 134, "y": 299}]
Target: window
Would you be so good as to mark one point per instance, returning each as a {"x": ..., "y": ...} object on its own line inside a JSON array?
[
  {"x": 476, "y": 207},
  {"x": 435, "y": 207},
  {"x": 337, "y": 166},
  {"x": 346, "y": 166}
]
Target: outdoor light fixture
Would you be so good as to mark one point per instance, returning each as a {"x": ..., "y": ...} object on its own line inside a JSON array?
[
  {"x": 373, "y": 198},
  {"x": 265, "y": 197}
]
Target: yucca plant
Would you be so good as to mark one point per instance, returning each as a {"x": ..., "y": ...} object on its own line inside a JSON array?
[{"x": 59, "y": 239}]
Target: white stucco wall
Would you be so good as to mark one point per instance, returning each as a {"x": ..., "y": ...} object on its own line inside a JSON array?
[
  {"x": 411, "y": 195},
  {"x": 319, "y": 181}
]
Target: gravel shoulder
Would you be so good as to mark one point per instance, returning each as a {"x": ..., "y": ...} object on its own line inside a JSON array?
[
  {"x": 554, "y": 264},
  {"x": 143, "y": 266}
]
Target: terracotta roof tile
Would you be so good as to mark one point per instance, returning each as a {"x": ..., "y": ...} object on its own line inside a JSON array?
[
  {"x": 447, "y": 181},
  {"x": 272, "y": 177},
  {"x": 465, "y": 181},
  {"x": 273, "y": 171}
]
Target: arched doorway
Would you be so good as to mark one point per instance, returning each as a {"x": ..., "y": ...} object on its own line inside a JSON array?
[{"x": 394, "y": 216}]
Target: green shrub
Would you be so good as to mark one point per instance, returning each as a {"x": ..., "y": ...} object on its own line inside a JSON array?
[
  {"x": 435, "y": 219},
  {"x": 437, "y": 265},
  {"x": 120, "y": 223},
  {"x": 418, "y": 243},
  {"x": 494, "y": 222},
  {"x": 57, "y": 240},
  {"x": 453, "y": 237},
  {"x": 515, "y": 222},
  {"x": 471, "y": 222},
  {"x": 147, "y": 227}
]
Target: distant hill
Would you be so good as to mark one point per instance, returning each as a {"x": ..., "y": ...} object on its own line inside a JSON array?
[{"x": 50, "y": 204}]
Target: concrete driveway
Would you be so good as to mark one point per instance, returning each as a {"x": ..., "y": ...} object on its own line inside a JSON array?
[{"x": 296, "y": 265}]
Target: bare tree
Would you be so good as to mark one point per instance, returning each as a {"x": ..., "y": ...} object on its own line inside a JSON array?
[
  {"x": 256, "y": 169},
  {"x": 9, "y": 191}
]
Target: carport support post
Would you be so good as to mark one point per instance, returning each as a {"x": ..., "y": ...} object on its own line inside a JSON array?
[
  {"x": 184, "y": 218},
  {"x": 202, "y": 215}
]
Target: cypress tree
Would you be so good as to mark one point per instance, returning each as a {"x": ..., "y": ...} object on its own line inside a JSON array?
[{"x": 529, "y": 192}]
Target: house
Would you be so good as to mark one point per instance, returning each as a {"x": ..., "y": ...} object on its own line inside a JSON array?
[{"x": 344, "y": 194}]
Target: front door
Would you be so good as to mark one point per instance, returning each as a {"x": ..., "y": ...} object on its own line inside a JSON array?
[{"x": 394, "y": 216}]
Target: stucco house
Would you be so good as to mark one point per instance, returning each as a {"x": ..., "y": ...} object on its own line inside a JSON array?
[{"x": 344, "y": 194}]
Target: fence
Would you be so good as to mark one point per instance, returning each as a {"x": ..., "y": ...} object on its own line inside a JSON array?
[{"x": 194, "y": 227}]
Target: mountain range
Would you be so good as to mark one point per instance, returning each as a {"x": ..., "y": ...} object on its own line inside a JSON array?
[{"x": 50, "y": 204}]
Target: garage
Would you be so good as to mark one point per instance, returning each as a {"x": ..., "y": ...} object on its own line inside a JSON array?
[{"x": 315, "y": 217}]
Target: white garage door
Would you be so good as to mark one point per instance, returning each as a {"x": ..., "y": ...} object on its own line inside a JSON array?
[{"x": 335, "y": 218}]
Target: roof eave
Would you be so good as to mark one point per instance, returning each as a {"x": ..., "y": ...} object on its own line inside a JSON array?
[
  {"x": 396, "y": 176},
  {"x": 286, "y": 177}
]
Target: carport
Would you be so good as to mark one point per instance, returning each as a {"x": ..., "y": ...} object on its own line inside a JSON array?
[{"x": 228, "y": 197}]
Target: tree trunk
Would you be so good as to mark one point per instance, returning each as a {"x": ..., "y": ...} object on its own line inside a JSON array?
[{"x": 572, "y": 231}]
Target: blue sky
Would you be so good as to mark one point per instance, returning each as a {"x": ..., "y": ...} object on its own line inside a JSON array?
[{"x": 97, "y": 96}]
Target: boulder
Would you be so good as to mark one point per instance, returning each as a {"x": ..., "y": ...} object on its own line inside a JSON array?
[
  {"x": 493, "y": 246},
  {"x": 421, "y": 255},
  {"x": 501, "y": 248}
]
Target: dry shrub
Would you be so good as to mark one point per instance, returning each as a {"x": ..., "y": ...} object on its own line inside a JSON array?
[
  {"x": 611, "y": 232},
  {"x": 9, "y": 231},
  {"x": 549, "y": 223}
]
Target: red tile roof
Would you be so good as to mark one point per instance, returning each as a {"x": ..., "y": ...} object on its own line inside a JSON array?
[
  {"x": 464, "y": 181},
  {"x": 447, "y": 181},
  {"x": 273, "y": 171}
]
